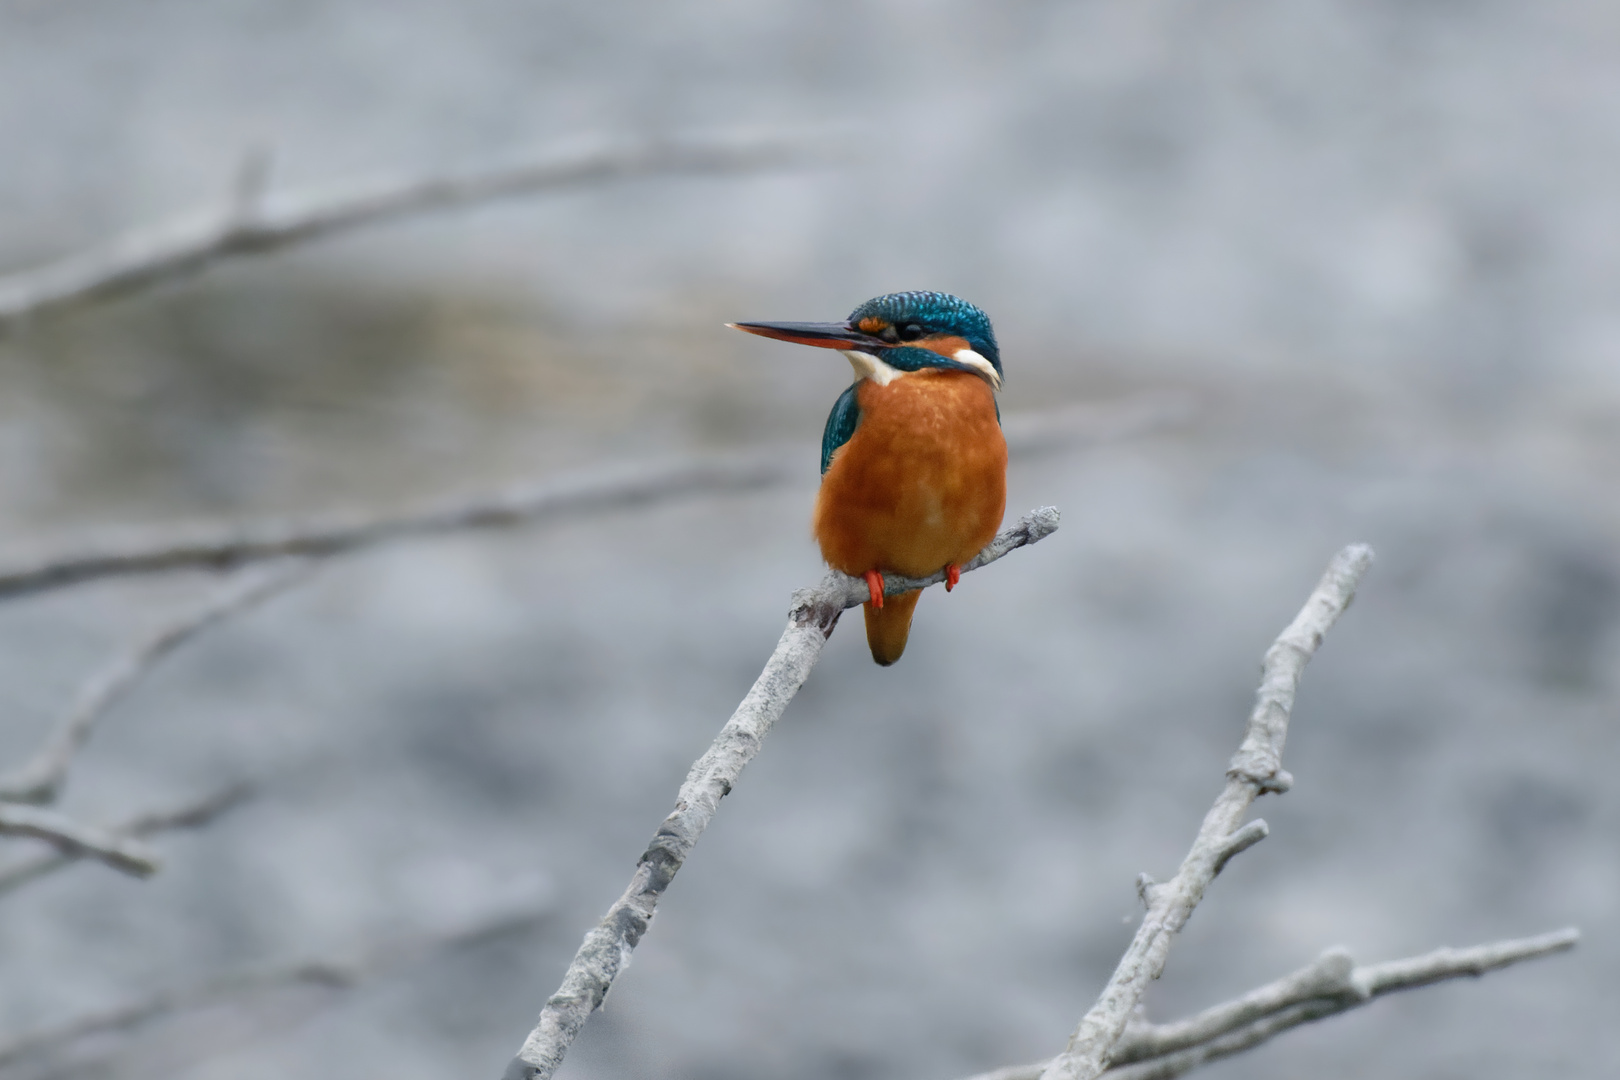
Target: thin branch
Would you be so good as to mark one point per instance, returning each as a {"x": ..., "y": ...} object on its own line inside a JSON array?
[
  {"x": 76, "y": 839},
  {"x": 643, "y": 485},
  {"x": 607, "y": 948},
  {"x": 341, "y": 973},
  {"x": 1329, "y": 986},
  {"x": 244, "y": 226},
  {"x": 41, "y": 779},
  {"x": 191, "y": 815},
  {"x": 1256, "y": 768},
  {"x": 337, "y": 533}
]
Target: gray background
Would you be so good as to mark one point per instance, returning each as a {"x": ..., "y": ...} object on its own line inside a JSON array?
[{"x": 1374, "y": 242}]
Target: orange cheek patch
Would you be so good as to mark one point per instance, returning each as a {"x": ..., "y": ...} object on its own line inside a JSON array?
[
  {"x": 944, "y": 344},
  {"x": 872, "y": 325}
]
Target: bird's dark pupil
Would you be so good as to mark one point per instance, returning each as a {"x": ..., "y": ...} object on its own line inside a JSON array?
[{"x": 912, "y": 332}]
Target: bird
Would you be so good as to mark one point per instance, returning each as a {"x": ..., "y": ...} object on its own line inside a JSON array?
[{"x": 913, "y": 462}]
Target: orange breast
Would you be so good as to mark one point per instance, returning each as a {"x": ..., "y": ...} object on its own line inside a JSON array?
[{"x": 923, "y": 481}]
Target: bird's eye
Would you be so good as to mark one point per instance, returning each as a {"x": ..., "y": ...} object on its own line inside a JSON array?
[{"x": 912, "y": 332}]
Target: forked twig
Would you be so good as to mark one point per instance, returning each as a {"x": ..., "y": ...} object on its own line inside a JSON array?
[
  {"x": 1256, "y": 768},
  {"x": 188, "y": 816},
  {"x": 41, "y": 779},
  {"x": 76, "y": 839},
  {"x": 1332, "y": 984}
]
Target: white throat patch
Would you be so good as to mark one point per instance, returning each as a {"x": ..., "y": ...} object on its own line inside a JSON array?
[{"x": 868, "y": 366}]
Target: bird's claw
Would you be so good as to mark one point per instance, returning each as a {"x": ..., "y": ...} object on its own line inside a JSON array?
[
  {"x": 953, "y": 574},
  {"x": 874, "y": 586}
]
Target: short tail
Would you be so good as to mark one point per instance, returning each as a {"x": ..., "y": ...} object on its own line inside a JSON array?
[{"x": 888, "y": 627}]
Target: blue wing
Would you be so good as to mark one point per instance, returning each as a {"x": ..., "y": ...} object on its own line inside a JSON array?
[{"x": 841, "y": 424}]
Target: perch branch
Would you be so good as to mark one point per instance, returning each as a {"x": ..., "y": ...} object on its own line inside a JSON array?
[
  {"x": 76, "y": 839},
  {"x": 1256, "y": 768},
  {"x": 648, "y": 484},
  {"x": 244, "y": 226},
  {"x": 607, "y": 948},
  {"x": 338, "y": 974},
  {"x": 41, "y": 779},
  {"x": 1332, "y": 984},
  {"x": 189, "y": 816}
]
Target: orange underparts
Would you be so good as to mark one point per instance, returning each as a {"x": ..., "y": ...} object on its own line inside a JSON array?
[{"x": 920, "y": 485}]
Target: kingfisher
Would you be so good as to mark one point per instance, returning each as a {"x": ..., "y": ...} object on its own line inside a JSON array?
[{"x": 913, "y": 463}]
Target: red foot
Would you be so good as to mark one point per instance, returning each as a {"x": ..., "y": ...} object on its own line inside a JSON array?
[
  {"x": 953, "y": 574},
  {"x": 874, "y": 585}
]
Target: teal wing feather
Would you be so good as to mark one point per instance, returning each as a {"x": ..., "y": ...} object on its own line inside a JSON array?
[{"x": 841, "y": 424}]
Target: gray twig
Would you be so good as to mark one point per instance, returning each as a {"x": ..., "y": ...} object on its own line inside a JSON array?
[
  {"x": 607, "y": 948},
  {"x": 1256, "y": 767},
  {"x": 248, "y": 227},
  {"x": 1332, "y": 984},
  {"x": 41, "y": 779},
  {"x": 77, "y": 839},
  {"x": 188, "y": 816},
  {"x": 342, "y": 974},
  {"x": 641, "y": 485}
]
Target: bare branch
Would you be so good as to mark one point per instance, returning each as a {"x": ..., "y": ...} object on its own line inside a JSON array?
[
  {"x": 342, "y": 973},
  {"x": 643, "y": 485},
  {"x": 185, "y": 246},
  {"x": 40, "y": 781},
  {"x": 1256, "y": 767},
  {"x": 337, "y": 533},
  {"x": 607, "y": 948},
  {"x": 1329, "y": 986},
  {"x": 188, "y": 816},
  {"x": 76, "y": 839}
]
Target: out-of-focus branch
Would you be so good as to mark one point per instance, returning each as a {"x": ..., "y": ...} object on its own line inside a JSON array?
[
  {"x": 247, "y": 227},
  {"x": 342, "y": 973},
  {"x": 607, "y": 948},
  {"x": 335, "y": 534},
  {"x": 1327, "y": 987},
  {"x": 75, "y": 839},
  {"x": 1256, "y": 768},
  {"x": 40, "y": 780},
  {"x": 188, "y": 816},
  {"x": 644, "y": 485}
]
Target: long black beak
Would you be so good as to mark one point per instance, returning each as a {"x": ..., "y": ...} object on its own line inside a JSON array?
[{"x": 824, "y": 335}]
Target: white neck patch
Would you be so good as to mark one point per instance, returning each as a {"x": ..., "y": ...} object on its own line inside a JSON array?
[
  {"x": 980, "y": 364},
  {"x": 868, "y": 366}
]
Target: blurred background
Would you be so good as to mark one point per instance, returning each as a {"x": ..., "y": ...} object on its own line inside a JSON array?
[{"x": 1375, "y": 244}]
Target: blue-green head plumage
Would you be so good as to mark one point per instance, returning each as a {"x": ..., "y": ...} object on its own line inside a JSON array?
[
  {"x": 907, "y": 316},
  {"x": 904, "y": 331}
]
